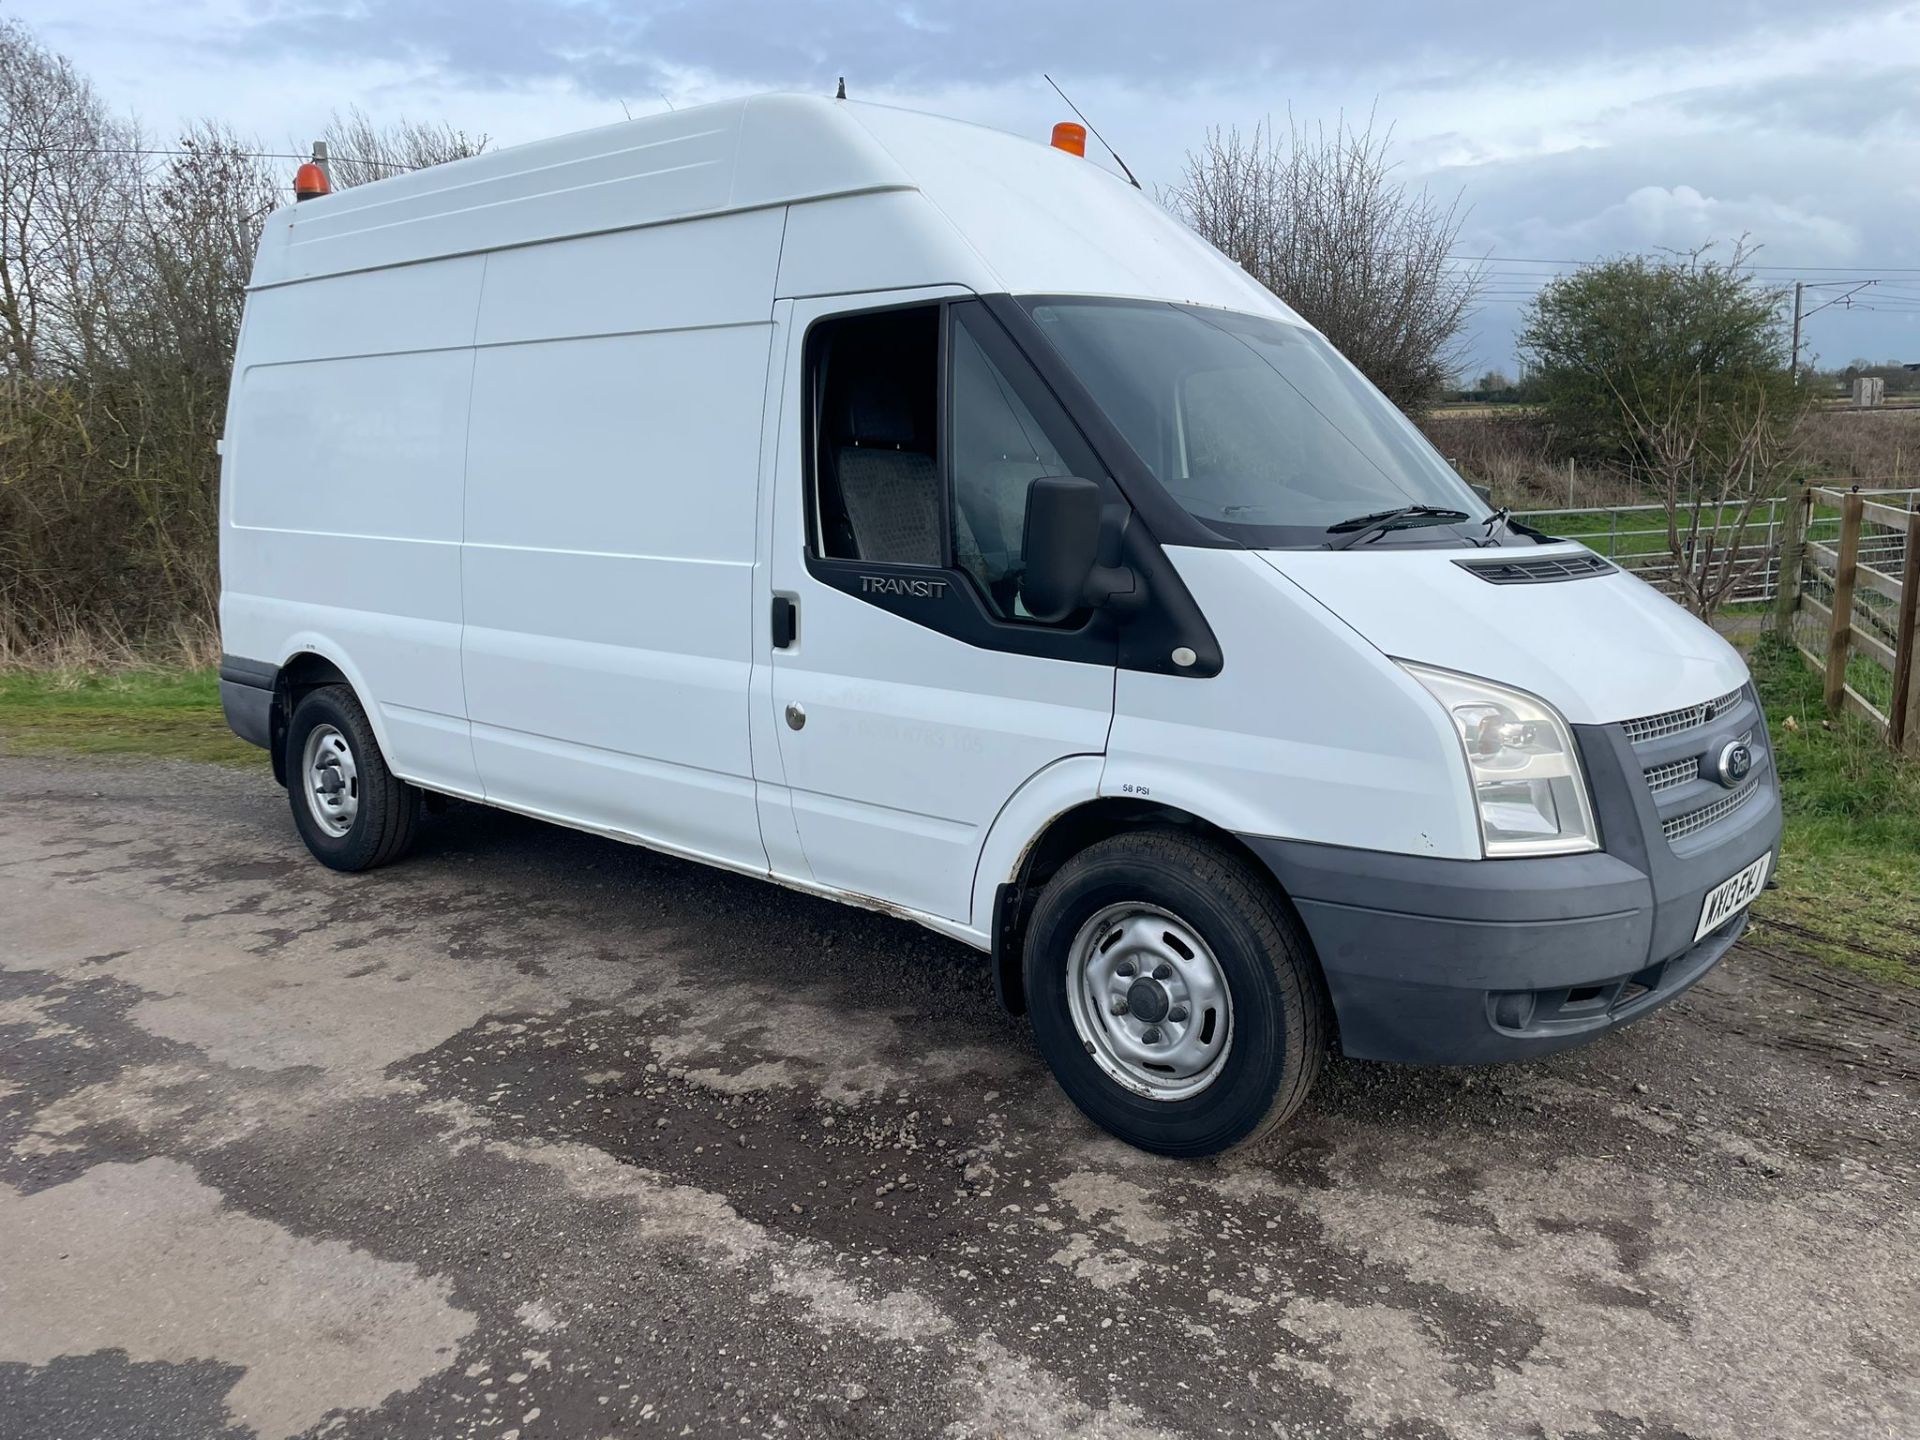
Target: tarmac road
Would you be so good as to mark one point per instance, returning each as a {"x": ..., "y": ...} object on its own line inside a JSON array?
[{"x": 540, "y": 1135}]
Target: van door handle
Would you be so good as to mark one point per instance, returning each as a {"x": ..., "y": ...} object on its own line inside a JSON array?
[{"x": 786, "y": 621}]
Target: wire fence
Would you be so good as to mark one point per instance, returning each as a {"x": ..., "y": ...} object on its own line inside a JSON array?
[{"x": 1636, "y": 537}]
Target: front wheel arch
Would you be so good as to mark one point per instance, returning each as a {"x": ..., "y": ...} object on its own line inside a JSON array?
[{"x": 1065, "y": 836}]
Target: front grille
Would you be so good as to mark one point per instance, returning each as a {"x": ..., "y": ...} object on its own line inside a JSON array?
[
  {"x": 1675, "y": 722},
  {"x": 1539, "y": 570},
  {"x": 1678, "y": 827},
  {"x": 1679, "y": 772}
]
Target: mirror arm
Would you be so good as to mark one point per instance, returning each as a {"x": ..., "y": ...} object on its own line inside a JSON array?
[{"x": 1117, "y": 586}]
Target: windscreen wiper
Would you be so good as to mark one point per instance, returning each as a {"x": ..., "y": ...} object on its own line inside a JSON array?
[{"x": 1361, "y": 527}]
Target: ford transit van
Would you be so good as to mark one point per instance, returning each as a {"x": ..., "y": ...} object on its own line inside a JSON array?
[{"x": 920, "y": 517}]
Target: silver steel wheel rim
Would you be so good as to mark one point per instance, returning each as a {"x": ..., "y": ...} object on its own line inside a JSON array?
[
  {"x": 332, "y": 780},
  {"x": 1150, "y": 1001}
]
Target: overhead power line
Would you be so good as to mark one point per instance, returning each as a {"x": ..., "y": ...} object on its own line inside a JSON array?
[
  {"x": 1770, "y": 267},
  {"x": 202, "y": 150}
]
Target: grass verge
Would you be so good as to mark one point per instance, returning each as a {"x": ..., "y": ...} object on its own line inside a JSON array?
[
  {"x": 1850, "y": 861},
  {"x": 173, "y": 714}
]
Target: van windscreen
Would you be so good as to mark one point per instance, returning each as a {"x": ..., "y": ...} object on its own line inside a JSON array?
[{"x": 1258, "y": 428}]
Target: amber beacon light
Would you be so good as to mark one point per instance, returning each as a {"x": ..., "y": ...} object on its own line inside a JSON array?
[
  {"x": 1070, "y": 137},
  {"x": 310, "y": 182}
]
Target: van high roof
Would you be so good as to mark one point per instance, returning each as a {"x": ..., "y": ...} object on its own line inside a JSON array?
[{"x": 949, "y": 202}]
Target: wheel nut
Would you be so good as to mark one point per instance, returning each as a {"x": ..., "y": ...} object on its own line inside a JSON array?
[
  {"x": 1150, "y": 1036},
  {"x": 1163, "y": 971},
  {"x": 1119, "y": 1004},
  {"x": 1125, "y": 969},
  {"x": 1177, "y": 1014}
]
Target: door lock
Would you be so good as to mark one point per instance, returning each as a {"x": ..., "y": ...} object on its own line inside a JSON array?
[{"x": 796, "y": 717}]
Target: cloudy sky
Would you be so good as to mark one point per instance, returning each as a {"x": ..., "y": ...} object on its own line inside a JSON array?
[{"x": 1569, "y": 131}]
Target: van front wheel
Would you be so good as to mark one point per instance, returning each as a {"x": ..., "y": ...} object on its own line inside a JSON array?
[
  {"x": 1173, "y": 994},
  {"x": 353, "y": 812}
]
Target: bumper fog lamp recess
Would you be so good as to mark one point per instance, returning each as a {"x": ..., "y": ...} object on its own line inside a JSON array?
[
  {"x": 1514, "y": 1009},
  {"x": 1528, "y": 788}
]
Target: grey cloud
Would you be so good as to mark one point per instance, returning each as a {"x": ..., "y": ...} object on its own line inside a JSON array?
[
  {"x": 612, "y": 49},
  {"x": 1841, "y": 105}
]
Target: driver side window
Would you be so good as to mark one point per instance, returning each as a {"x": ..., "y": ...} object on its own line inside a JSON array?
[{"x": 898, "y": 478}]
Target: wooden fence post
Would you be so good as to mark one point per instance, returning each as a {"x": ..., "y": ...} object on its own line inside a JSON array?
[
  {"x": 1903, "y": 714},
  {"x": 1793, "y": 547},
  {"x": 1840, "y": 632}
]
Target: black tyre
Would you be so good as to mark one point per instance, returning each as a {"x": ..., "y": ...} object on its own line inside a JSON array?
[
  {"x": 353, "y": 812},
  {"x": 1173, "y": 994}
]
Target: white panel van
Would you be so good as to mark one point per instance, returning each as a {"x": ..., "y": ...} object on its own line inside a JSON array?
[{"x": 920, "y": 517}]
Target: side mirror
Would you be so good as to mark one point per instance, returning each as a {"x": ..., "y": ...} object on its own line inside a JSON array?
[
  {"x": 1061, "y": 549},
  {"x": 1485, "y": 492}
]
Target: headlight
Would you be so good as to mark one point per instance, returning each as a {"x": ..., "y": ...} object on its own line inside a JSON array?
[{"x": 1527, "y": 782}]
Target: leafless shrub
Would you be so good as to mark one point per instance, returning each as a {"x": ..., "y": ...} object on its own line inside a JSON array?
[
  {"x": 1318, "y": 218},
  {"x": 362, "y": 150},
  {"x": 1711, "y": 457}
]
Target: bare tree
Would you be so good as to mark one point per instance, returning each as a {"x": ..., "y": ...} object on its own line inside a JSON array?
[
  {"x": 362, "y": 149},
  {"x": 69, "y": 175},
  {"x": 201, "y": 215},
  {"x": 1318, "y": 218},
  {"x": 1713, "y": 457}
]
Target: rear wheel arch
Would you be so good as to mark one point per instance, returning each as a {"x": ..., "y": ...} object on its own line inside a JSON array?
[{"x": 304, "y": 671}]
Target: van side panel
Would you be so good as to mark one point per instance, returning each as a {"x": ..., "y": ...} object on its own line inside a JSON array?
[
  {"x": 612, "y": 479},
  {"x": 344, "y": 507}
]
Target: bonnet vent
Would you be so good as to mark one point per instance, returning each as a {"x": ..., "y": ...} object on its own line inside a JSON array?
[{"x": 1539, "y": 570}]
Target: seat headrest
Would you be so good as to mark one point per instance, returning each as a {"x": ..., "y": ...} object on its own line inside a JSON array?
[{"x": 879, "y": 410}]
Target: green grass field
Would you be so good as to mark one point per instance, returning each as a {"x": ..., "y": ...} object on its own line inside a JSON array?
[
  {"x": 1850, "y": 873},
  {"x": 172, "y": 714},
  {"x": 1617, "y": 533},
  {"x": 1850, "y": 881}
]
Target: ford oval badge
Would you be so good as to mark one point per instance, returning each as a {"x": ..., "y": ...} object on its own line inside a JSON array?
[{"x": 1736, "y": 763}]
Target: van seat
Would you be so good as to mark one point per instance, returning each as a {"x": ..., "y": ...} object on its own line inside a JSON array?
[
  {"x": 889, "y": 483},
  {"x": 893, "y": 504}
]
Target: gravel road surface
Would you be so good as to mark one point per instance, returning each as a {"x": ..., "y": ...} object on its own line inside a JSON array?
[{"x": 540, "y": 1135}]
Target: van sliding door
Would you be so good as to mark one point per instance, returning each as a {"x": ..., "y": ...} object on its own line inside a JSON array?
[{"x": 608, "y": 560}]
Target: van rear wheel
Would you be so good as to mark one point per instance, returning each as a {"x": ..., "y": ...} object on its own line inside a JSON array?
[
  {"x": 353, "y": 812},
  {"x": 1173, "y": 994}
]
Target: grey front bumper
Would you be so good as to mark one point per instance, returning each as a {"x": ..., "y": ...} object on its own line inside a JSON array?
[{"x": 1472, "y": 961}]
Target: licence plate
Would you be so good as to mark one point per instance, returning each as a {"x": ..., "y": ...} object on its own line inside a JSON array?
[{"x": 1727, "y": 900}]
